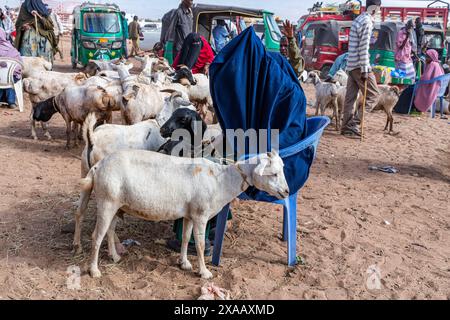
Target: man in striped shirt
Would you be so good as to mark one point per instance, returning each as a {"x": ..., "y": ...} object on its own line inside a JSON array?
[{"x": 358, "y": 67}]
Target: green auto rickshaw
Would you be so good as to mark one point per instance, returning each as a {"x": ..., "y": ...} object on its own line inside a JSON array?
[
  {"x": 206, "y": 16},
  {"x": 383, "y": 46},
  {"x": 98, "y": 33}
]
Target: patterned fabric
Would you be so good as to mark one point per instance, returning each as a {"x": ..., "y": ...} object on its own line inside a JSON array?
[
  {"x": 34, "y": 45},
  {"x": 358, "y": 49},
  {"x": 408, "y": 68}
]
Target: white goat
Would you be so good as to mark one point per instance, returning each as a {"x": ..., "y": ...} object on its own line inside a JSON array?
[
  {"x": 34, "y": 65},
  {"x": 341, "y": 77},
  {"x": 140, "y": 101},
  {"x": 152, "y": 186},
  {"x": 326, "y": 95}
]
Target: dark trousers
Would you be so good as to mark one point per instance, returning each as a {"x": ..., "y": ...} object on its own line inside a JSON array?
[{"x": 8, "y": 95}]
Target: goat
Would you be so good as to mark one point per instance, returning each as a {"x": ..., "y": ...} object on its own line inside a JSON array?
[
  {"x": 95, "y": 99},
  {"x": 326, "y": 95},
  {"x": 389, "y": 96},
  {"x": 152, "y": 186},
  {"x": 33, "y": 65}
]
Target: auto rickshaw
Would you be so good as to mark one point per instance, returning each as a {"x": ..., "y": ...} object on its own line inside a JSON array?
[
  {"x": 97, "y": 33},
  {"x": 383, "y": 43},
  {"x": 325, "y": 41},
  {"x": 383, "y": 46},
  {"x": 435, "y": 39},
  {"x": 205, "y": 17}
]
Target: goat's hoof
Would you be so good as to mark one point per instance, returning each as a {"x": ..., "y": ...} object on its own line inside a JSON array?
[
  {"x": 116, "y": 258},
  {"x": 35, "y": 138},
  {"x": 77, "y": 249},
  {"x": 67, "y": 147},
  {"x": 186, "y": 266},
  {"x": 49, "y": 137},
  {"x": 95, "y": 273},
  {"x": 206, "y": 274}
]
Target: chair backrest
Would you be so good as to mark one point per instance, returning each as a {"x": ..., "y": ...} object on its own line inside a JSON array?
[
  {"x": 444, "y": 85},
  {"x": 444, "y": 81},
  {"x": 7, "y": 73},
  {"x": 315, "y": 128}
]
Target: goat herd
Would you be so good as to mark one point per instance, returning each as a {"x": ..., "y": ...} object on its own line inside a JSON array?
[{"x": 130, "y": 166}]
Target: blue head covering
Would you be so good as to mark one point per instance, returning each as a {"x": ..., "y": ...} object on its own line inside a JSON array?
[{"x": 38, "y": 6}]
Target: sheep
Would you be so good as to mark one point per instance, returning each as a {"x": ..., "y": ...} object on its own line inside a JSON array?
[
  {"x": 109, "y": 138},
  {"x": 153, "y": 187},
  {"x": 326, "y": 95},
  {"x": 33, "y": 65}
]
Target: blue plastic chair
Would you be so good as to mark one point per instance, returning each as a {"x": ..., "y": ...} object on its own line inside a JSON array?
[
  {"x": 315, "y": 126},
  {"x": 444, "y": 80}
]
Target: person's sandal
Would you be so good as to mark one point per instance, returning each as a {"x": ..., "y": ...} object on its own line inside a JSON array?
[{"x": 349, "y": 133}]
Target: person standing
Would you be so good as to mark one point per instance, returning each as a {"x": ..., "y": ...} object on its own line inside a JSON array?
[
  {"x": 404, "y": 50},
  {"x": 134, "y": 31},
  {"x": 58, "y": 27},
  {"x": 125, "y": 33},
  {"x": 183, "y": 21},
  {"x": 359, "y": 69},
  {"x": 35, "y": 36},
  {"x": 420, "y": 35},
  {"x": 221, "y": 35},
  {"x": 289, "y": 48},
  {"x": 6, "y": 24}
]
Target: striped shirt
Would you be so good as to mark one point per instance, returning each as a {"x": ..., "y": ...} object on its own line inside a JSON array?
[{"x": 359, "y": 43}]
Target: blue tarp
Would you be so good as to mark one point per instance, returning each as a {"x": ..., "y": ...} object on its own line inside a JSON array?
[{"x": 255, "y": 89}]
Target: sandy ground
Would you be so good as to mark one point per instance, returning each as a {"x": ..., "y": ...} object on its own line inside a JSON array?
[{"x": 350, "y": 220}]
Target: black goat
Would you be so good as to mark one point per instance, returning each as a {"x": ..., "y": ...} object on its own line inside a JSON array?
[{"x": 186, "y": 119}]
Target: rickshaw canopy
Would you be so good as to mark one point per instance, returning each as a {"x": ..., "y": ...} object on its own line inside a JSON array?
[
  {"x": 327, "y": 32},
  {"x": 385, "y": 36}
]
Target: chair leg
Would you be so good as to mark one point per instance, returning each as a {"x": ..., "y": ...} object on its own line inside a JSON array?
[
  {"x": 412, "y": 99},
  {"x": 292, "y": 229},
  {"x": 18, "y": 88},
  {"x": 221, "y": 226},
  {"x": 433, "y": 110},
  {"x": 285, "y": 221},
  {"x": 442, "y": 106}
]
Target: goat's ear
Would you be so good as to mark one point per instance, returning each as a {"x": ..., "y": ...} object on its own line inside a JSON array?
[
  {"x": 259, "y": 170},
  {"x": 396, "y": 89}
]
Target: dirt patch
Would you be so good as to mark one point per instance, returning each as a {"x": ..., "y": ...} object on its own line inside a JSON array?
[{"x": 350, "y": 221}]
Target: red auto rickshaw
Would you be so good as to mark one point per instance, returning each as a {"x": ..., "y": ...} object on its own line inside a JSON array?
[{"x": 323, "y": 42}]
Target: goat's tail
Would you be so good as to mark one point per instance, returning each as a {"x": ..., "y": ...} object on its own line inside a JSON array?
[
  {"x": 88, "y": 133},
  {"x": 87, "y": 184}
]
